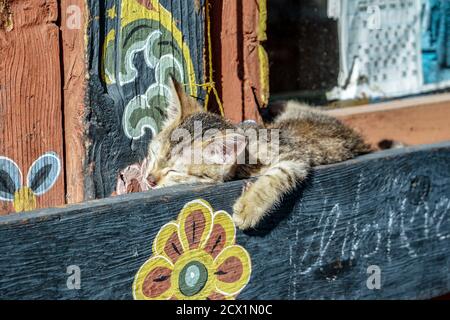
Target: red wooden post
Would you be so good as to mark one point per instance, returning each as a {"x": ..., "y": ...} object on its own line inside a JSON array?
[
  {"x": 239, "y": 60},
  {"x": 255, "y": 61},
  {"x": 73, "y": 28},
  {"x": 31, "y": 139}
]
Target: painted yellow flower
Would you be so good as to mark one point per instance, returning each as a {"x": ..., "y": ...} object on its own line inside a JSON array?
[{"x": 195, "y": 258}]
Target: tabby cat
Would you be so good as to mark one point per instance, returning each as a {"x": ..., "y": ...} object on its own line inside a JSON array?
[{"x": 304, "y": 138}]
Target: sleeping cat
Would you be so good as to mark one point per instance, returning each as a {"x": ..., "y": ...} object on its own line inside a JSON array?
[{"x": 304, "y": 138}]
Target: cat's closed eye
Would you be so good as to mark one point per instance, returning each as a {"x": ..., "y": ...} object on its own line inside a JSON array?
[{"x": 166, "y": 172}]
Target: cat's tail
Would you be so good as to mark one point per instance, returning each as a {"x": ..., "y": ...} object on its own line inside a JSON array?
[{"x": 287, "y": 110}]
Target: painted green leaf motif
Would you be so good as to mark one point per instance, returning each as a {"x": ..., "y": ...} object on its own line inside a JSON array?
[{"x": 146, "y": 49}]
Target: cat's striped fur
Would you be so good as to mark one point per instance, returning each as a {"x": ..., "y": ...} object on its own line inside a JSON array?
[{"x": 307, "y": 138}]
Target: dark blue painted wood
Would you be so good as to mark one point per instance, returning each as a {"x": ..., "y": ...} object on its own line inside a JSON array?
[
  {"x": 110, "y": 97},
  {"x": 390, "y": 209}
]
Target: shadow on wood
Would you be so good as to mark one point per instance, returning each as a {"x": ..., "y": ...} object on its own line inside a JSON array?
[{"x": 387, "y": 211}]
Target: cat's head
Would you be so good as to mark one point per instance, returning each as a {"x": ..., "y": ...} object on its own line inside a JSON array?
[{"x": 193, "y": 146}]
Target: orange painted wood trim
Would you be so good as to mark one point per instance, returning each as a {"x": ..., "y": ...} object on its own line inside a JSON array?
[
  {"x": 30, "y": 100},
  {"x": 73, "y": 30},
  {"x": 226, "y": 57},
  {"x": 236, "y": 57},
  {"x": 253, "y": 26},
  {"x": 411, "y": 121}
]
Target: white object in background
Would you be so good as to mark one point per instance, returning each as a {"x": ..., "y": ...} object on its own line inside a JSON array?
[
  {"x": 334, "y": 9},
  {"x": 380, "y": 49}
]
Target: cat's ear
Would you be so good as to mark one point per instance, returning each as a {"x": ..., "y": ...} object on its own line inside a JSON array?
[
  {"x": 225, "y": 149},
  {"x": 181, "y": 105}
]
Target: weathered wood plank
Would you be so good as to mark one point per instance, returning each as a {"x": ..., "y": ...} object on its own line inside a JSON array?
[
  {"x": 240, "y": 62},
  {"x": 255, "y": 59},
  {"x": 227, "y": 56},
  {"x": 31, "y": 138},
  {"x": 389, "y": 209},
  {"x": 412, "y": 121},
  {"x": 73, "y": 34}
]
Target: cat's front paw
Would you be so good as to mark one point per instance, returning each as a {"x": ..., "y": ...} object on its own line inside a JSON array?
[{"x": 245, "y": 214}]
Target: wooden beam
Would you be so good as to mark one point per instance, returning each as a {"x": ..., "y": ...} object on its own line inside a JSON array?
[
  {"x": 411, "y": 121},
  {"x": 386, "y": 212},
  {"x": 125, "y": 52},
  {"x": 239, "y": 59},
  {"x": 73, "y": 34},
  {"x": 31, "y": 138},
  {"x": 227, "y": 57},
  {"x": 255, "y": 60},
  {"x": 428, "y": 100}
]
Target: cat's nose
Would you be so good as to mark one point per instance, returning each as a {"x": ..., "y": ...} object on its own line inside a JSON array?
[{"x": 152, "y": 181}]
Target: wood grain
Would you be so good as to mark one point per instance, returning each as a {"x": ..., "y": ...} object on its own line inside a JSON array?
[
  {"x": 30, "y": 91},
  {"x": 73, "y": 33},
  {"x": 389, "y": 209},
  {"x": 236, "y": 59},
  {"x": 412, "y": 121},
  {"x": 227, "y": 56},
  {"x": 252, "y": 38},
  {"x": 120, "y": 97}
]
